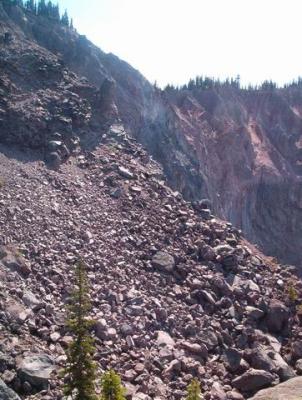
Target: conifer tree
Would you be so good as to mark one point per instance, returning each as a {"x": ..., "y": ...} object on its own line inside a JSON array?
[
  {"x": 13, "y": 3},
  {"x": 49, "y": 9},
  {"x": 80, "y": 371},
  {"x": 56, "y": 12},
  {"x": 112, "y": 388},
  {"x": 65, "y": 19},
  {"x": 31, "y": 6},
  {"x": 194, "y": 390},
  {"x": 42, "y": 8}
]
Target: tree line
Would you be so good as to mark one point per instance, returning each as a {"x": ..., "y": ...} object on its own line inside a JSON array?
[
  {"x": 42, "y": 8},
  {"x": 206, "y": 83}
]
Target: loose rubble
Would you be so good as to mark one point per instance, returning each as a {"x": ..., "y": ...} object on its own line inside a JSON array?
[{"x": 175, "y": 295}]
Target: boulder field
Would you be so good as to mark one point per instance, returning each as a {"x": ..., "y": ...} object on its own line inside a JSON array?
[{"x": 177, "y": 293}]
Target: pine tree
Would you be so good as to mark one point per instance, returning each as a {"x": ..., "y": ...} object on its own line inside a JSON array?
[
  {"x": 49, "y": 9},
  {"x": 112, "y": 388},
  {"x": 56, "y": 12},
  {"x": 31, "y": 6},
  {"x": 193, "y": 390},
  {"x": 80, "y": 371},
  {"x": 65, "y": 19},
  {"x": 10, "y": 3},
  {"x": 42, "y": 8}
]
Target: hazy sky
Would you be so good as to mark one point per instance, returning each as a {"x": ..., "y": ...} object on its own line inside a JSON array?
[{"x": 171, "y": 41}]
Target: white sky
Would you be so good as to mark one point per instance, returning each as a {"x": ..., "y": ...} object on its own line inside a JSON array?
[{"x": 170, "y": 41}]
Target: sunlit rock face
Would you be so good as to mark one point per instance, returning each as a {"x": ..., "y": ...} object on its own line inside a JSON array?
[{"x": 247, "y": 146}]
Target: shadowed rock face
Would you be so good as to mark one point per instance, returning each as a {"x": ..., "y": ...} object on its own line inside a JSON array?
[
  {"x": 240, "y": 149},
  {"x": 248, "y": 148}
]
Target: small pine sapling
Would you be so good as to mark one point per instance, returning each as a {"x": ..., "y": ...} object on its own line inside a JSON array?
[
  {"x": 193, "y": 390},
  {"x": 80, "y": 372},
  {"x": 111, "y": 386}
]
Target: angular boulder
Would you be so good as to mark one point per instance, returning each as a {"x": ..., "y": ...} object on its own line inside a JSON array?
[
  {"x": 6, "y": 393},
  {"x": 253, "y": 379},
  {"x": 163, "y": 261},
  {"x": 164, "y": 339},
  {"x": 277, "y": 316},
  {"x": 37, "y": 370},
  {"x": 232, "y": 358},
  {"x": 125, "y": 173},
  {"x": 14, "y": 260},
  {"x": 197, "y": 349},
  {"x": 289, "y": 390},
  {"x": 266, "y": 358},
  {"x": 297, "y": 349}
]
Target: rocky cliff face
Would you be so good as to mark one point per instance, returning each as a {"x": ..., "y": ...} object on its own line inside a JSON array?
[
  {"x": 239, "y": 149},
  {"x": 248, "y": 149}
]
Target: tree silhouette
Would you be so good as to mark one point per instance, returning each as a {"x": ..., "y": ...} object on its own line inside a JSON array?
[
  {"x": 30, "y": 5},
  {"x": 42, "y": 8},
  {"x": 65, "y": 19}
]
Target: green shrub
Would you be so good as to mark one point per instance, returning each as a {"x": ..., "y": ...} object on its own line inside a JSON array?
[
  {"x": 194, "y": 390},
  {"x": 299, "y": 310},
  {"x": 292, "y": 293},
  {"x": 2, "y": 182},
  {"x": 112, "y": 388}
]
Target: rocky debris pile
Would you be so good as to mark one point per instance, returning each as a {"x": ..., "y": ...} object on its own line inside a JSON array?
[
  {"x": 30, "y": 117},
  {"x": 175, "y": 294},
  {"x": 43, "y": 104}
]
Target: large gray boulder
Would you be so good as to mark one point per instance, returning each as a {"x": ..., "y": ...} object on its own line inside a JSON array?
[
  {"x": 14, "y": 260},
  {"x": 6, "y": 393},
  {"x": 297, "y": 349},
  {"x": 164, "y": 339},
  {"x": 163, "y": 261},
  {"x": 289, "y": 390},
  {"x": 232, "y": 358},
  {"x": 37, "y": 370},
  {"x": 277, "y": 316},
  {"x": 266, "y": 358},
  {"x": 252, "y": 380}
]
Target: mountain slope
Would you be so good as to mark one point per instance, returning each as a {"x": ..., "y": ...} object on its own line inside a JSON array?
[
  {"x": 174, "y": 296},
  {"x": 176, "y": 292},
  {"x": 241, "y": 149}
]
